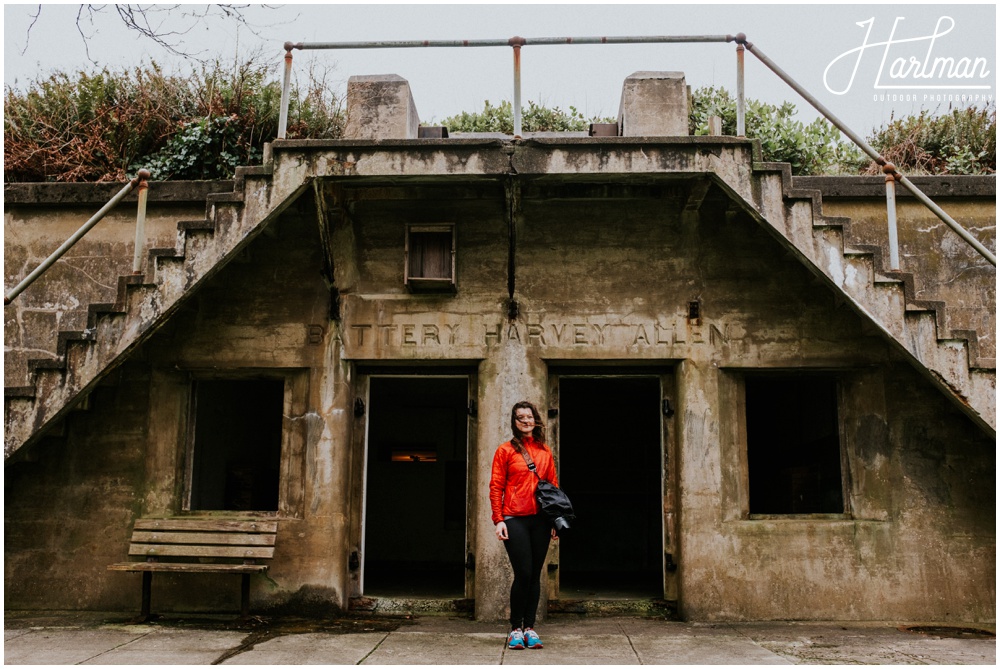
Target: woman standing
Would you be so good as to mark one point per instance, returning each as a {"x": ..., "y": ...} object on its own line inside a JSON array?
[{"x": 519, "y": 522}]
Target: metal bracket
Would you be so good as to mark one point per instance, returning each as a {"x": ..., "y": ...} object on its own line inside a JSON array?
[{"x": 668, "y": 410}]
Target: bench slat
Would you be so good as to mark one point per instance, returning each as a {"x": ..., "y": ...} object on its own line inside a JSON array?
[
  {"x": 156, "y": 550},
  {"x": 208, "y": 538},
  {"x": 201, "y": 525},
  {"x": 193, "y": 567}
]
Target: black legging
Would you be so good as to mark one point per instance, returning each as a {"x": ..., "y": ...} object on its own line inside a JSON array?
[{"x": 527, "y": 544}]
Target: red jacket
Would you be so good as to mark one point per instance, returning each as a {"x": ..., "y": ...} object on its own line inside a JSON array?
[{"x": 512, "y": 485}]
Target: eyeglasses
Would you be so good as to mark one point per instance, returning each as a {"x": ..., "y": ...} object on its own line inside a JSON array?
[{"x": 525, "y": 419}]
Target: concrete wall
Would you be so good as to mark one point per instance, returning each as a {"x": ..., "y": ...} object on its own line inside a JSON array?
[{"x": 602, "y": 276}]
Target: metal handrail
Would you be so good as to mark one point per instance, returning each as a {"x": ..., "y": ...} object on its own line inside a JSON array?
[
  {"x": 892, "y": 174},
  {"x": 888, "y": 168},
  {"x": 140, "y": 180}
]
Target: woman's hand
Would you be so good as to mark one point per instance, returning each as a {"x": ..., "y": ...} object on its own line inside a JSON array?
[{"x": 501, "y": 531}]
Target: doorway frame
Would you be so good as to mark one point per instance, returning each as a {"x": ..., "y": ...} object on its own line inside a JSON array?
[
  {"x": 358, "y": 495},
  {"x": 666, "y": 373}
]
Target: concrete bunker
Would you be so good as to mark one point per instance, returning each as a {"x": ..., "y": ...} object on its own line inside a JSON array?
[{"x": 640, "y": 279}]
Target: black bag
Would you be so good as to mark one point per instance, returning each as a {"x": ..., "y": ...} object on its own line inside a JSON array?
[{"x": 553, "y": 502}]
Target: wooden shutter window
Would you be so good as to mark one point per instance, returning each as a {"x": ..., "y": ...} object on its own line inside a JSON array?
[{"x": 430, "y": 257}]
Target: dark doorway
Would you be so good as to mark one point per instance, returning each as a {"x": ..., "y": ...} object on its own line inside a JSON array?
[
  {"x": 611, "y": 466},
  {"x": 415, "y": 491},
  {"x": 237, "y": 445}
]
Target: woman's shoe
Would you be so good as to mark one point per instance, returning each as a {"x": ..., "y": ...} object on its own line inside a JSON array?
[
  {"x": 515, "y": 641},
  {"x": 531, "y": 639}
]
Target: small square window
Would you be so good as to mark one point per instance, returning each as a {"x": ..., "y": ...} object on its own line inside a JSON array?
[
  {"x": 793, "y": 445},
  {"x": 430, "y": 257}
]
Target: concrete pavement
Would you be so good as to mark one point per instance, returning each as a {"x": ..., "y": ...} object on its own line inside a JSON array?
[{"x": 96, "y": 638}]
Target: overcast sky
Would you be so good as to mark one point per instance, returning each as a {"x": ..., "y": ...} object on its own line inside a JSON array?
[{"x": 936, "y": 53}]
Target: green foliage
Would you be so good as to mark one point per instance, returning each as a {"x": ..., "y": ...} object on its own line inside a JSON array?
[
  {"x": 534, "y": 118},
  {"x": 206, "y": 149},
  {"x": 90, "y": 127},
  {"x": 813, "y": 148},
  {"x": 105, "y": 126},
  {"x": 963, "y": 141}
]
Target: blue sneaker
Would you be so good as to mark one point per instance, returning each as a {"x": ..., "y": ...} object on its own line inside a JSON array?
[
  {"x": 516, "y": 640},
  {"x": 531, "y": 639}
]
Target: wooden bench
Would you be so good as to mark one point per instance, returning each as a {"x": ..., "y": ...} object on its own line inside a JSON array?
[{"x": 199, "y": 546}]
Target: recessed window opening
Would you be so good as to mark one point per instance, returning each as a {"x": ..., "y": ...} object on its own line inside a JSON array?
[
  {"x": 793, "y": 445},
  {"x": 237, "y": 445},
  {"x": 430, "y": 257}
]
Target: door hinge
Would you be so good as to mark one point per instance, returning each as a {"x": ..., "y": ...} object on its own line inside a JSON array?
[
  {"x": 473, "y": 408},
  {"x": 553, "y": 412},
  {"x": 668, "y": 410},
  {"x": 470, "y": 562},
  {"x": 670, "y": 565},
  {"x": 354, "y": 562},
  {"x": 359, "y": 407}
]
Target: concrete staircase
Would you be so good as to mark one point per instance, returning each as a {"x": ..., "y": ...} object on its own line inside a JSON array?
[
  {"x": 885, "y": 298},
  {"x": 143, "y": 303}
]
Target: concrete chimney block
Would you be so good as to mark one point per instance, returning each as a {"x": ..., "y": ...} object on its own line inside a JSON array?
[
  {"x": 380, "y": 106},
  {"x": 654, "y": 104}
]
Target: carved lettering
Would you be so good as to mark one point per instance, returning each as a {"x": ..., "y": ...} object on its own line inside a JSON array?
[
  {"x": 581, "y": 334},
  {"x": 387, "y": 330},
  {"x": 408, "y": 339},
  {"x": 536, "y": 331},
  {"x": 600, "y": 331},
  {"x": 361, "y": 333},
  {"x": 430, "y": 333}
]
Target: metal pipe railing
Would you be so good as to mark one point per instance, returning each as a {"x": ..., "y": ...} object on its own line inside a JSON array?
[
  {"x": 741, "y": 108},
  {"x": 875, "y": 155},
  {"x": 141, "y": 177},
  {"x": 515, "y": 43},
  {"x": 741, "y": 46},
  {"x": 286, "y": 82},
  {"x": 890, "y": 210},
  {"x": 140, "y": 223}
]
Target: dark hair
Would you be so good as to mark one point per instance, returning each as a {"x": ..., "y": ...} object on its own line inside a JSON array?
[{"x": 538, "y": 433}]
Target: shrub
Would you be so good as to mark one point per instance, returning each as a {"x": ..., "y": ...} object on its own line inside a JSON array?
[
  {"x": 534, "y": 118},
  {"x": 963, "y": 141},
  {"x": 104, "y": 126},
  {"x": 813, "y": 148},
  {"x": 90, "y": 127}
]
